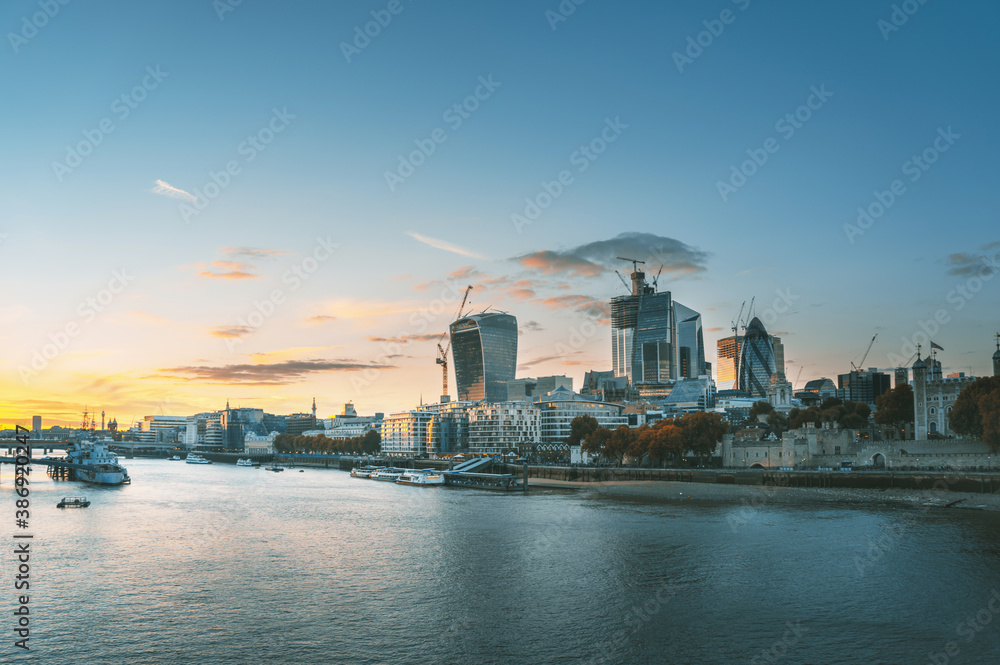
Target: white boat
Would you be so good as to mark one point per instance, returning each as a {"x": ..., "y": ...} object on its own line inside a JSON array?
[
  {"x": 244, "y": 462},
  {"x": 175, "y": 458},
  {"x": 421, "y": 477},
  {"x": 101, "y": 464},
  {"x": 194, "y": 458},
  {"x": 390, "y": 474},
  {"x": 365, "y": 471}
]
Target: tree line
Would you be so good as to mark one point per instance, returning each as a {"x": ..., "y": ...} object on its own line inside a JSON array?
[
  {"x": 696, "y": 433},
  {"x": 368, "y": 444}
]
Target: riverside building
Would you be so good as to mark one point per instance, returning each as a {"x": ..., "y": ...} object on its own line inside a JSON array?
[{"x": 484, "y": 354}]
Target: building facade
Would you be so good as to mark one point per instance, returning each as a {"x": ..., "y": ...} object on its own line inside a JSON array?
[
  {"x": 933, "y": 398},
  {"x": 502, "y": 427},
  {"x": 690, "y": 343},
  {"x": 863, "y": 385},
  {"x": 560, "y": 407},
  {"x": 756, "y": 360},
  {"x": 727, "y": 364},
  {"x": 484, "y": 355}
]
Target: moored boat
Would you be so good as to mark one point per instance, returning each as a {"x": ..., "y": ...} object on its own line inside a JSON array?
[
  {"x": 244, "y": 462},
  {"x": 421, "y": 477},
  {"x": 194, "y": 458},
  {"x": 365, "y": 471},
  {"x": 175, "y": 458},
  {"x": 98, "y": 465},
  {"x": 389, "y": 474}
]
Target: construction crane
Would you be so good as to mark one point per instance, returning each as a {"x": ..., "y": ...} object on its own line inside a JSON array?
[
  {"x": 635, "y": 262},
  {"x": 443, "y": 351},
  {"x": 624, "y": 281},
  {"x": 857, "y": 368},
  {"x": 657, "y": 278},
  {"x": 736, "y": 323},
  {"x": 800, "y": 373}
]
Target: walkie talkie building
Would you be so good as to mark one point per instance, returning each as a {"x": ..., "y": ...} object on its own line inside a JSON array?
[{"x": 484, "y": 354}]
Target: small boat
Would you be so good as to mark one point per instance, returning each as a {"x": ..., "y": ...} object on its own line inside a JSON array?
[
  {"x": 390, "y": 474},
  {"x": 175, "y": 458},
  {"x": 194, "y": 458},
  {"x": 365, "y": 471},
  {"x": 73, "y": 502},
  {"x": 275, "y": 467},
  {"x": 421, "y": 477},
  {"x": 244, "y": 462}
]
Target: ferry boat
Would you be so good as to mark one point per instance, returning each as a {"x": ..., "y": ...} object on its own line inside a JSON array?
[
  {"x": 421, "y": 477},
  {"x": 244, "y": 462},
  {"x": 365, "y": 471},
  {"x": 194, "y": 458},
  {"x": 390, "y": 474},
  {"x": 103, "y": 467},
  {"x": 73, "y": 502}
]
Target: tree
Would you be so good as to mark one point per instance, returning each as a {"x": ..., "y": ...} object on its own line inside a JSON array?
[
  {"x": 596, "y": 441},
  {"x": 777, "y": 421},
  {"x": 664, "y": 440},
  {"x": 800, "y": 417},
  {"x": 702, "y": 431},
  {"x": 619, "y": 443},
  {"x": 895, "y": 407},
  {"x": 976, "y": 412},
  {"x": 760, "y": 408},
  {"x": 580, "y": 428}
]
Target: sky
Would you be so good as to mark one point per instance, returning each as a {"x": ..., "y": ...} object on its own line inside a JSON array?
[{"x": 204, "y": 201}]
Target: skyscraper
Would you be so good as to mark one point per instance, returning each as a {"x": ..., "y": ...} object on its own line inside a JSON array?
[
  {"x": 728, "y": 362},
  {"x": 756, "y": 360},
  {"x": 690, "y": 342},
  {"x": 484, "y": 354},
  {"x": 644, "y": 334}
]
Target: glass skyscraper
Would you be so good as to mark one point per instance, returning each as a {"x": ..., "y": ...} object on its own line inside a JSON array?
[
  {"x": 484, "y": 354},
  {"x": 690, "y": 342},
  {"x": 756, "y": 360}
]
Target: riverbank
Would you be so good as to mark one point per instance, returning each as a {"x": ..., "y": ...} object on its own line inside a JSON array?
[{"x": 760, "y": 495}]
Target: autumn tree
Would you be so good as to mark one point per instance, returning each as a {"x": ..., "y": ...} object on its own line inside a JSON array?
[
  {"x": 895, "y": 407},
  {"x": 579, "y": 428},
  {"x": 595, "y": 442},
  {"x": 760, "y": 408},
  {"x": 620, "y": 442},
  {"x": 976, "y": 412},
  {"x": 702, "y": 431}
]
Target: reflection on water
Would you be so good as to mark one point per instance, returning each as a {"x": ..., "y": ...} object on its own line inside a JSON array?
[{"x": 220, "y": 564}]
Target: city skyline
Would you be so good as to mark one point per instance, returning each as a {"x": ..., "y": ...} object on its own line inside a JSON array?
[{"x": 263, "y": 232}]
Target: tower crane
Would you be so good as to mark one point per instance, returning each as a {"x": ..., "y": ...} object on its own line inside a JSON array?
[
  {"x": 624, "y": 281},
  {"x": 442, "y": 358},
  {"x": 635, "y": 262},
  {"x": 857, "y": 368}
]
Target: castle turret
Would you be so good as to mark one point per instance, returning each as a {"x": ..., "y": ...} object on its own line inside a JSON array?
[{"x": 919, "y": 397}]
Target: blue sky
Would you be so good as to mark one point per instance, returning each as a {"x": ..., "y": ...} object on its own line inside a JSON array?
[{"x": 161, "y": 345}]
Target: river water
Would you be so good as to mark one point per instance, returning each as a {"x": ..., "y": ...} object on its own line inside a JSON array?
[{"x": 223, "y": 564}]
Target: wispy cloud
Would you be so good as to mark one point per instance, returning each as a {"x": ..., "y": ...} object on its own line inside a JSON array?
[
  {"x": 228, "y": 270},
  {"x": 265, "y": 373},
  {"x": 230, "y": 332},
  {"x": 252, "y": 253},
  {"x": 321, "y": 318},
  {"x": 166, "y": 189},
  {"x": 405, "y": 339},
  {"x": 594, "y": 258},
  {"x": 446, "y": 246}
]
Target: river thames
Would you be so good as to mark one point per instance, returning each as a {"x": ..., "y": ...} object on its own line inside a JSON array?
[{"x": 224, "y": 564}]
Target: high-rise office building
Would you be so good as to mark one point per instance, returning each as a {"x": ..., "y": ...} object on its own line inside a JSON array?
[
  {"x": 644, "y": 331},
  {"x": 36, "y": 424},
  {"x": 863, "y": 386},
  {"x": 484, "y": 354},
  {"x": 779, "y": 355},
  {"x": 690, "y": 343},
  {"x": 727, "y": 365},
  {"x": 756, "y": 360}
]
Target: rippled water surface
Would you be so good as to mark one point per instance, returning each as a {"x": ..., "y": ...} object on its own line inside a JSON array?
[{"x": 222, "y": 564}]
